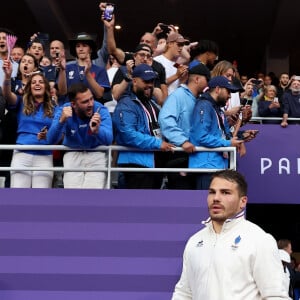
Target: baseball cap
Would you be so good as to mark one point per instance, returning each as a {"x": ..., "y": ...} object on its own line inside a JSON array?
[
  {"x": 144, "y": 72},
  {"x": 222, "y": 82},
  {"x": 144, "y": 47},
  {"x": 176, "y": 37},
  {"x": 200, "y": 69},
  {"x": 85, "y": 38}
]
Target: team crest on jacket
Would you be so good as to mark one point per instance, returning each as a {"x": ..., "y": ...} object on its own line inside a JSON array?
[
  {"x": 199, "y": 244},
  {"x": 236, "y": 242}
]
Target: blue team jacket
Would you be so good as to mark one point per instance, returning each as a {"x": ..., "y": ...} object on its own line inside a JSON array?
[{"x": 132, "y": 130}]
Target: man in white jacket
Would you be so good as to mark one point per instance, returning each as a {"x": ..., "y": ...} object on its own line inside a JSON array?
[{"x": 231, "y": 258}]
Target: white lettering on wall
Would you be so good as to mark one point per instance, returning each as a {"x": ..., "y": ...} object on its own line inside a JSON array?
[
  {"x": 265, "y": 164},
  {"x": 284, "y": 164}
]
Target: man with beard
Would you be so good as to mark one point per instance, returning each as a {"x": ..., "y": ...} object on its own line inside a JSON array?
[
  {"x": 82, "y": 124},
  {"x": 231, "y": 258},
  {"x": 135, "y": 120},
  {"x": 291, "y": 103},
  {"x": 210, "y": 129},
  {"x": 284, "y": 81}
]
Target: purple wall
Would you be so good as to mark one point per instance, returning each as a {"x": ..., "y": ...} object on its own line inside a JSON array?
[
  {"x": 85, "y": 244},
  {"x": 272, "y": 164}
]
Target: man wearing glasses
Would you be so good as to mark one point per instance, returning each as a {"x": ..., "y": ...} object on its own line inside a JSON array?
[{"x": 122, "y": 80}]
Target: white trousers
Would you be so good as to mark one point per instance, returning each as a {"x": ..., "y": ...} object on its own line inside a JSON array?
[
  {"x": 88, "y": 180},
  {"x": 31, "y": 179}
]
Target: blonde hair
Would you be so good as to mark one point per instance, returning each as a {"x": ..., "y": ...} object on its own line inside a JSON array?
[
  {"x": 269, "y": 87},
  {"x": 221, "y": 67}
]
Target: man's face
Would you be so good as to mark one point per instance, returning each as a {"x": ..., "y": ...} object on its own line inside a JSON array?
[
  {"x": 3, "y": 44},
  {"x": 83, "y": 104},
  {"x": 201, "y": 83},
  {"x": 37, "y": 50},
  {"x": 148, "y": 39},
  {"x": 249, "y": 89},
  {"x": 284, "y": 79},
  {"x": 223, "y": 96},
  {"x": 143, "y": 89},
  {"x": 83, "y": 51},
  {"x": 295, "y": 87},
  {"x": 211, "y": 58},
  {"x": 224, "y": 200},
  {"x": 175, "y": 48},
  {"x": 26, "y": 65},
  {"x": 17, "y": 53},
  {"x": 244, "y": 79},
  {"x": 56, "y": 47},
  {"x": 142, "y": 57}
]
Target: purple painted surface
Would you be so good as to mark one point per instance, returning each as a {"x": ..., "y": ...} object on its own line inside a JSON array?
[
  {"x": 85, "y": 244},
  {"x": 272, "y": 164},
  {"x": 69, "y": 295},
  {"x": 90, "y": 265}
]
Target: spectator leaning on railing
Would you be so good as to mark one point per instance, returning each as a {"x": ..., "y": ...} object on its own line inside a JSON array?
[
  {"x": 35, "y": 111},
  {"x": 85, "y": 124},
  {"x": 290, "y": 102},
  {"x": 136, "y": 123}
]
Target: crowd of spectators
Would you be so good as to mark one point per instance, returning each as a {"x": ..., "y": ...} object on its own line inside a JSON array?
[{"x": 144, "y": 99}]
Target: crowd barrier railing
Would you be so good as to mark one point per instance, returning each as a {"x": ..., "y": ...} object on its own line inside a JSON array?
[
  {"x": 261, "y": 119},
  {"x": 110, "y": 168}
]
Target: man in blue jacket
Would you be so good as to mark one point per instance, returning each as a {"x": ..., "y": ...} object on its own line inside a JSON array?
[
  {"x": 210, "y": 129},
  {"x": 85, "y": 124},
  {"x": 135, "y": 121},
  {"x": 175, "y": 121}
]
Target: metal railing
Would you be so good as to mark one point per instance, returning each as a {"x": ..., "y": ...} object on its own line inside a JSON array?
[
  {"x": 109, "y": 169},
  {"x": 261, "y": 119}
]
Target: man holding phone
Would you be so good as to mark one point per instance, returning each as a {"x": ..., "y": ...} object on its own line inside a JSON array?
[{"x": 85, "y": 124}]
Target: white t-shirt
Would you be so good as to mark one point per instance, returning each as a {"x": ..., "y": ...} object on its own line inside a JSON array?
[{"x": 170, "y": 70}]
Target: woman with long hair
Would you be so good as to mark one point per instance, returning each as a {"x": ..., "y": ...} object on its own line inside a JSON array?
[{"x": 35, "y": 110}]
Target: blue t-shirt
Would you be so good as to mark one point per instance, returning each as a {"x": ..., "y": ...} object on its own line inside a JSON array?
[
  {"x": 30, "y": 125},
  {"x": 75, "y": 73}
]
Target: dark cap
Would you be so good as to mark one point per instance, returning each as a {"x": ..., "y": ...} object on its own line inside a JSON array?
[
  {"x": 176, "y": 37},
  {"x": 144, "y": 72},
  {"x": 84, "y": 38},
  {"x": 144, "y": 47},
  {"x": 200, "y": 69},
  {"x": 222, "y": 82}
]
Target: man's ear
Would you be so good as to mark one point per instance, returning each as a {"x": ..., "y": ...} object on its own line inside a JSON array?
[
  {"x": 72, "y": 104},
  {"x": 243, "y": 201}
]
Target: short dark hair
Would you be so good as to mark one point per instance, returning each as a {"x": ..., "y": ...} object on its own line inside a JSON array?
[
  {"x": 233, "y": 176},
  {"x": 76, "y": 88},
  {"x": 6, "y": 30},
  {"x": 283, "y": 243},
  {"x": 205, "y": 46},
  {"x": 38, "y": 41}
]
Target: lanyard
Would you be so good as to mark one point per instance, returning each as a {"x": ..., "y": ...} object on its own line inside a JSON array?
[{"x": 148, "y": 115}]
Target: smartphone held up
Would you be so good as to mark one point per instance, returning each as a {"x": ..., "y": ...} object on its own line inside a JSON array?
[{"x": 109, "y": 11}]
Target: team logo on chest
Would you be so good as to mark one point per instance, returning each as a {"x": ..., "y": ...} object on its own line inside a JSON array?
[{"x": 236, "y": 242}]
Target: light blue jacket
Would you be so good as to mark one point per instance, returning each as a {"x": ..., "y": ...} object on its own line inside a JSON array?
[
  {"x": 175, "y": 116},
  {"x": 206, "y": 131}
]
